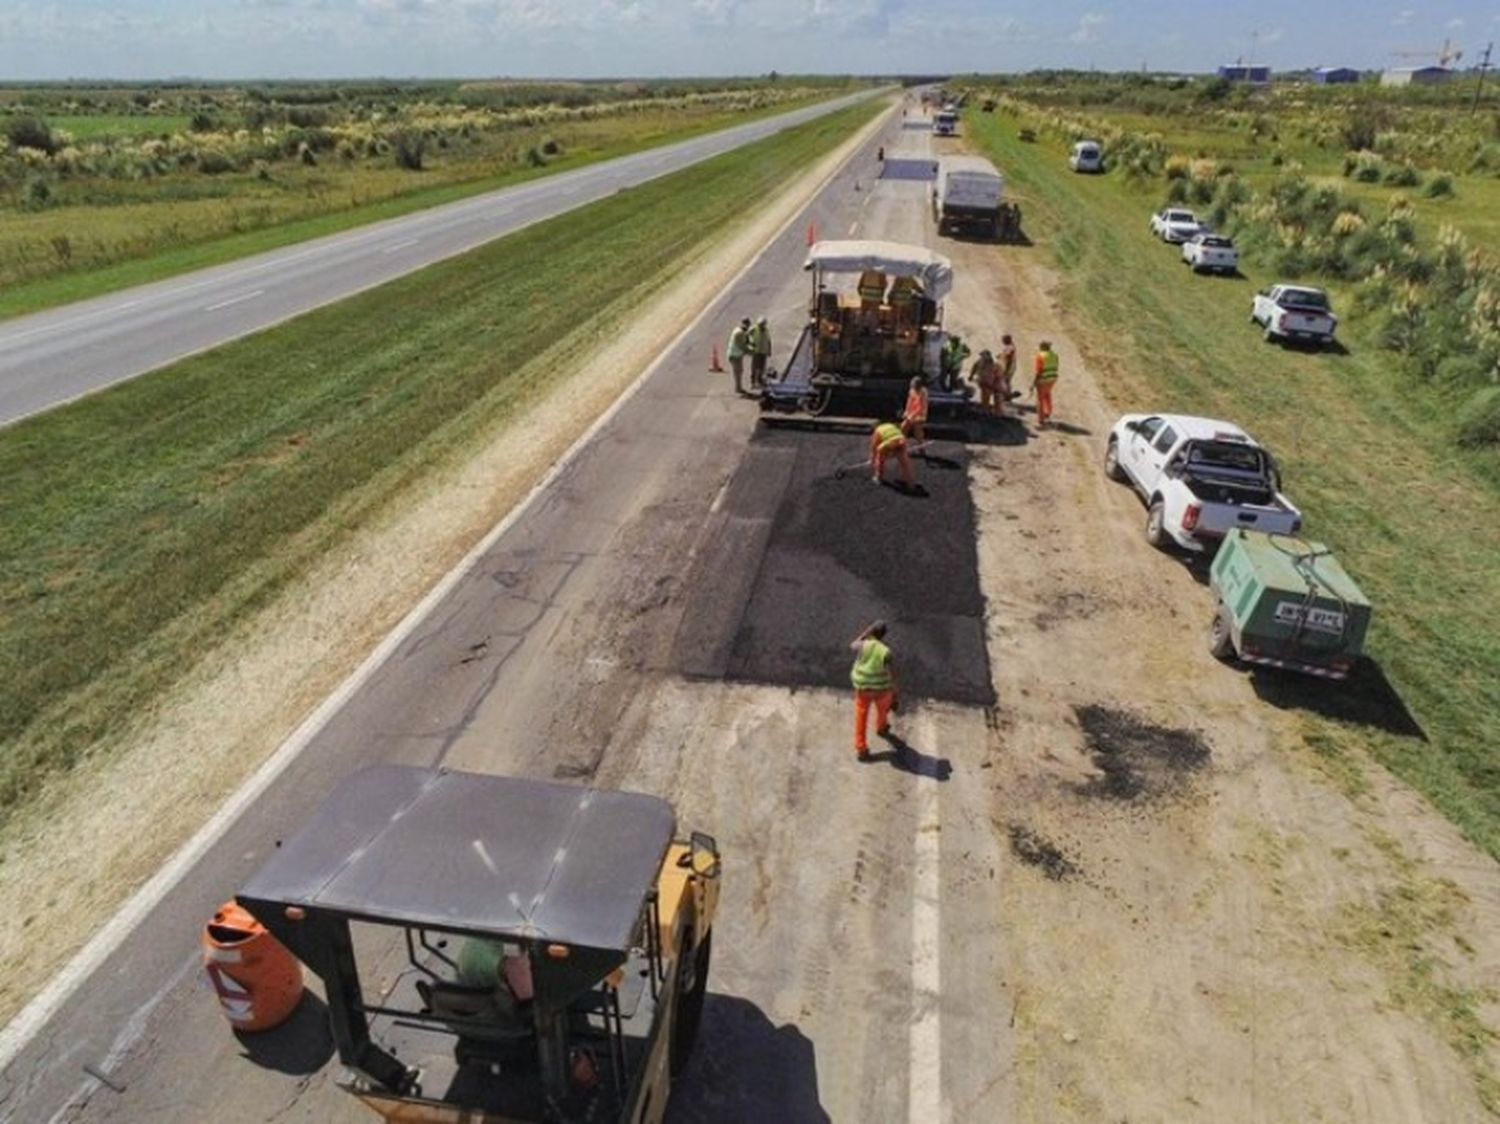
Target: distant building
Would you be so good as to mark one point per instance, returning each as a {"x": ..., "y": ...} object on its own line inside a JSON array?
[
  {"x": 1416, "y": 76},
  {"x": 1335, "y": 75},
  {"x": 1255, "y": 75}
]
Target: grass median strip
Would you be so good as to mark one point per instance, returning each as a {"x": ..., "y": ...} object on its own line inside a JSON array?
[
  {"x": 142, "y": 523},
  {"x": 1367, "y": 455}
]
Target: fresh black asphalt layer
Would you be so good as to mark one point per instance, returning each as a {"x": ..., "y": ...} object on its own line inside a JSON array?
[{"x": 806, "y": 557}]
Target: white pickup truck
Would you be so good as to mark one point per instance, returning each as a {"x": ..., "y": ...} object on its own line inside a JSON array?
[
  {"x": 1176, "y": 225},
  {"x": 1211, "y": 253},
  {"x": 1200, "y": 479},
  {"x": 1294, "y": 312}
]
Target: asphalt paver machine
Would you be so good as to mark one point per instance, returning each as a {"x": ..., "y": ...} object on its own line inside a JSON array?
[
  {"x": 594, "y": 919},
  {"x": 875, "y": 321}
]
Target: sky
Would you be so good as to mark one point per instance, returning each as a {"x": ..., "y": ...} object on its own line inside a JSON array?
[{"x": 241, "y": 39}]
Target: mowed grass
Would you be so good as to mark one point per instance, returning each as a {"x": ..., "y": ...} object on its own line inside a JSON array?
[
  {"x": 119, "y": 125},
  {"x": 141, "y": 524},
  {"x": 1367, "y": 454},
  {"x": 153, "y": 230}
]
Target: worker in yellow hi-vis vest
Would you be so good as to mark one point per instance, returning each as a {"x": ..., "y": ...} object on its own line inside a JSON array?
[
  {"x": 874, "y": 680},
  {"x": 1044, "y": 380},
  {"x": 887, "y": 441}
]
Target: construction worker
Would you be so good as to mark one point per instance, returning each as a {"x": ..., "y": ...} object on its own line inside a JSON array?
[
  {"x": 1007, "y": 366},
  {"x": 739, "y": 345},
  {"x": 914, "y": 417},
  {"x": 874, "y": 679},
  {"x": 760, "y": 352},
  {"x": 1044, "y": 379},
  {"x": 886, "y": 441},
  {"x": 986, "y": 375},
  {"x": 951, "y": 361}
]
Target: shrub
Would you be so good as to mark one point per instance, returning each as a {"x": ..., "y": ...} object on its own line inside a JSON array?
[
  {"x": 212, "y": 162},
  {"x": 36, "y": 194},
  {"x": 1404, "y": 175},
  {"x": 410, "y": 148},
  {"x": 534, "y": 158},
  {"x": 1177, "y": 167},
  {"x": 1027, "y": 135},
  {"x": 1479, "y": 419},
  {"x": 30, "y": 132},
  {"x": 202, "y": 123},
  {"x": 1439, "y": 187},
  {"x": 551, "y": 148}
]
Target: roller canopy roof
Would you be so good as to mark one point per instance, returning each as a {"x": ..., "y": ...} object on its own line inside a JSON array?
[
  {"x": 519, "y": 858},
  {"x": 894, "y": 259}
]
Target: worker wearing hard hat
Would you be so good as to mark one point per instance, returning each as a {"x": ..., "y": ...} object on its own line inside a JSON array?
[
  {"x": 886, "y": 441},
  {"x": 760, "y": 352},
  {"x": 739, "y": 346},
  {"x": 874, "y": 679},
  {"x": 1043, "y": 381}
]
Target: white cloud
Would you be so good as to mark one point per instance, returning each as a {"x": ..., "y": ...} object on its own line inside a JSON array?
[
  {"x": 1272, "y": 37},
  {"x": 1456, "y": 23},
  {"x": 1089, "y": 26},
  {"x": 1403, "y": 17}
]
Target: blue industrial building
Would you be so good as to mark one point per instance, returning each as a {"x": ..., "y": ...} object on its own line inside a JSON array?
[
  {"x": 1255, "y": 75},
  {"x": 1335, "y": 75}
]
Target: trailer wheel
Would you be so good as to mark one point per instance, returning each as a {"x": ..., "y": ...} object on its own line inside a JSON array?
[
  {"x": 1156, "y": 534},
  {"x": 1112, "y": 467},
  {"x": 692, "y": 989},
  {"x": 1220, "y": 642},
  {"x": 817, "y": 402}
]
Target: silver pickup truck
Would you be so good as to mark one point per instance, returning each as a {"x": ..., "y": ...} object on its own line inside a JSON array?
[{"x": 1200, "y": 479}]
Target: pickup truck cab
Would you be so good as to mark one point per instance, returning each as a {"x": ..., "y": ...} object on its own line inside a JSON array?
[
  {"x": 1211, "y": 253},
  {"x": 1200, "y": 478},
  {"x": 1294, "y": 312},
  {"x": 1176, "y": 225},
  {"x": 1087, "y": 156}
]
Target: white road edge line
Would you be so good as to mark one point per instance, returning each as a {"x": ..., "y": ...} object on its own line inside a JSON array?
[
  {"x": 924, "y": 1091},
  {"x": 19, "y": 1032},
  {"x": 233, "y": 300}
]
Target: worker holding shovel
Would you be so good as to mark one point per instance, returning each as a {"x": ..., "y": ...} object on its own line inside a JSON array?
[
  {"x": 874, "y": 679},
  {"x": 888, "y": 441},
  {"x": 914, "y": 417}
]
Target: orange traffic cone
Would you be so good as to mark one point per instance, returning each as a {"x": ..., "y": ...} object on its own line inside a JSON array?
[
  {"x": 812, "y": 233},
  {"x": 713, "y": 364}
]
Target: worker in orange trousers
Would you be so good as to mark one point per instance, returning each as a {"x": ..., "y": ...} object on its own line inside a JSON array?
[
  {"x": 887, "y": 441},
  {"x": 873, "y": 677},
  {"x": 1043, "y": 381}
]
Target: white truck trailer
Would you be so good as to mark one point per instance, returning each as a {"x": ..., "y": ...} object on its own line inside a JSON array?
[{"x": 967, "y": 194}]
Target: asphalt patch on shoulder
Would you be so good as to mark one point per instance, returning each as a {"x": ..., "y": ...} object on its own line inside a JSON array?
[
  {"x": 809, "y": 551},
  {"x": 1137, "y": 760},
  {"x": 1035, "y": 850}
]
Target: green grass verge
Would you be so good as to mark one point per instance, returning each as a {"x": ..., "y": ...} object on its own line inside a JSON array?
[
  {"x": 143, "y": 522},
  {"x": 81, "y": 284},
  {"x": 100, "y": 126},
  {"x": 1367, "y": 455}
]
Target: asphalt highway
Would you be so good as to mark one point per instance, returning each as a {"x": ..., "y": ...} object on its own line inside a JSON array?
[
  {"x": 855, "y": 973},
  {"x": 53, "y": 357}
]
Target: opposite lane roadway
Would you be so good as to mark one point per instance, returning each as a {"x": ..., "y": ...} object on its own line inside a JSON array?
[{"x": 53, "y": 357}]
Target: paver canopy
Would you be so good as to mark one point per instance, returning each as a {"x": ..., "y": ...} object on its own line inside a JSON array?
[{"x": 894, "y": 259}]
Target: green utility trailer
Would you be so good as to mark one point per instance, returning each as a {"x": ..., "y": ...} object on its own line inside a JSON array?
[{"x": 1286, "y": 602}]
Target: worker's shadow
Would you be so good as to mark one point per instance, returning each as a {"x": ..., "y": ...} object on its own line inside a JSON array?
[
  {"x": 301, "y": 1045},
  {"x": 906, "y": 757},
  {"x": 746, "y": 1068}
]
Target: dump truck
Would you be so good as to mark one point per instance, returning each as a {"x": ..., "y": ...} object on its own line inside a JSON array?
[
  {"x": 967, "y": 194},
  {"x": 1285, "y": 602},
  {"x": 875, "y": 321},
  {"x": 495, "y": 949}
]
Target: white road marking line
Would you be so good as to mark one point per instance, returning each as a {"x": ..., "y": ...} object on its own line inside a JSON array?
[
  {"x": 17, "y": 1034},
  {"x": 853, "y": 229},
  {"x": 233, "y": 300},
  {"x": 394, "y": 246},
  {"x": 924, "y": 1095}
]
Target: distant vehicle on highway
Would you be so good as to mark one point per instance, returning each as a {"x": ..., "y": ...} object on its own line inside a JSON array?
[
  {"x": 945, "y": 122},
  {"x": 1294, "y": 312},
  {"x": 1200, "y": 478},
  {"x": 1087, "y": 156},
  {"x": 1176, "y": 224},
  {"x": 1211, "y": 253}
]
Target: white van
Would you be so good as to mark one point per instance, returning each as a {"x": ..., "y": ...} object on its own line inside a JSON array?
[
  {"x": 1087, "y": 156},
  {"x": 966, "y": 193}
]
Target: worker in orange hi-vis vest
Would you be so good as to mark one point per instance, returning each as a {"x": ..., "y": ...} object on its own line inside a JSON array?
[
  {"x": 914, "y": 417},
  {"x": 1043, "y": 381},
  {"x": 887, "y": 441}
]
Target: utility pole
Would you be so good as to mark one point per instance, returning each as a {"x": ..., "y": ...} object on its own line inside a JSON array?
[{"x": 1484, "y": 65}]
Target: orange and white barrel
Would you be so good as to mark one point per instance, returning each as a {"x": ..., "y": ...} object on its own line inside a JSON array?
[{"x": 257, "y": 979}]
